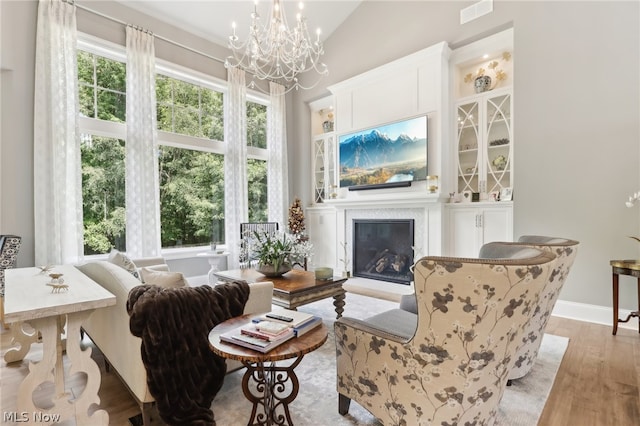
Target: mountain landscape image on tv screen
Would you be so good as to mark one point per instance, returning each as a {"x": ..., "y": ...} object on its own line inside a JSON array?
[{"x": 386, "y": 154}]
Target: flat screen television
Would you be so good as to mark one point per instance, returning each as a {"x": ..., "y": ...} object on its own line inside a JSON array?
[{"x": 389, "y": 155}]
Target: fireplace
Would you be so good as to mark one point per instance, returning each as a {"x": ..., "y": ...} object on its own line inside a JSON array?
[{"x": 382, "y": 249}]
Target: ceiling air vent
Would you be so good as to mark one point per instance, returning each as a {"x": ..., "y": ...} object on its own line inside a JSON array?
[{"x": 475, "y": 11}]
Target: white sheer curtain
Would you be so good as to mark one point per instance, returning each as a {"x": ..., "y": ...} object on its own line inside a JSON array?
[
  {"x": 235, "y": 162},
  {"x": 141, "y": 160},
  {"x": 56, "y": 138},
  {"x": 277, "y": 175}
]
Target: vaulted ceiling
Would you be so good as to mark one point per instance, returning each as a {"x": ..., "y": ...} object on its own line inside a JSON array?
[{"x": 212, "y": 19}]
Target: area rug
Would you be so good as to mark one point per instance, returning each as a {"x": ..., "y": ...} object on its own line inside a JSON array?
[{"x": 317, "y": 400}]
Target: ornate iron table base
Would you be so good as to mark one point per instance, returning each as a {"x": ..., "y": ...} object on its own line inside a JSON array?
[{"x": 271, "y": 389}]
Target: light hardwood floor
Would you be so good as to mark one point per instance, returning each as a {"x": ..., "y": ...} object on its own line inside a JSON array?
[{"x": 598, "y": 382}]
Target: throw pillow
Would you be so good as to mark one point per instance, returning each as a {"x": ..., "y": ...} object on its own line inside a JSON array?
[
  {"x": 166, "y": 279},
  {"x": 118, "y": 258}
]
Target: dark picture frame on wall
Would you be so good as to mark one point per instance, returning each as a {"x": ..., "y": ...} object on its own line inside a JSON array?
[{"x": 388, "y": 155}]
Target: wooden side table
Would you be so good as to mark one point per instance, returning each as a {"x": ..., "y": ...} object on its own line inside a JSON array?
[
  {"x": 264, "y": 383},
  {"x": 624, "y": 267}
]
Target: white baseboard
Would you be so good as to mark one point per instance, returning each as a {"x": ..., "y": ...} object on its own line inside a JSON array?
[{"x": 592, "y": 313}]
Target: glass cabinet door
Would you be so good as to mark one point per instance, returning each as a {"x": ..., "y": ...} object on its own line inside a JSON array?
[
  {"x": 324, "y": 168},
  {"x": 318, "y": 172},
  {"x": 468, "y": 147},
  {"x": 498, "y": 139}
]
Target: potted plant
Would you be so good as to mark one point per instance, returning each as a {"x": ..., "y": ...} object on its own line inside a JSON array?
[{"x": 275, "y": 253}]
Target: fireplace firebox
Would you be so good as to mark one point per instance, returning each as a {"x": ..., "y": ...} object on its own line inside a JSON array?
[{"x": 382, "y": 249}]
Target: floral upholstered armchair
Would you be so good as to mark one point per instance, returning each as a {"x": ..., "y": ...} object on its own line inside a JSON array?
[
  {"x": 565, "y": 251},
  {"x": 448, "y": 364}
]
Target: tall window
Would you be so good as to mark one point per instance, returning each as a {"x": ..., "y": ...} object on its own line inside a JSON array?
[
  {"x": 102, "y": 90},
  {"x": 190, "y": 117},
  {"x": 103, "y": 194},
  {"x": 257, "y": 161}
]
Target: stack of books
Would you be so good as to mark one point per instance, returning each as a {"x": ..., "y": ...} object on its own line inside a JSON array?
[{"x": 271, "y": 330}]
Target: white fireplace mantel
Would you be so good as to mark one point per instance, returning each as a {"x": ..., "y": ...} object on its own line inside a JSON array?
[
  {"x": 396, "y": 199},
  {"x": 425, "y": 209}
]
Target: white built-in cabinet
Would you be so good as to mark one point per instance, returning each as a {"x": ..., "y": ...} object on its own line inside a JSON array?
[
  {"x": 471, "y": 225},
  {"x": 484, "y": 141},
  {"x": 321, "y": 219},
  {"x": 470, "y": 147},
  {"x": 483, "y": 144},
  {"x": 323, "y": 150}
]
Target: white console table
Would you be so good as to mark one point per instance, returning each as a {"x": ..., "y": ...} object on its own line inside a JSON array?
[{"x": 28, "y": 299}]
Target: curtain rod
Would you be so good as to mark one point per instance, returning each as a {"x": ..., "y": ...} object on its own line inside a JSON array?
[{"x": 175, "y": 43}]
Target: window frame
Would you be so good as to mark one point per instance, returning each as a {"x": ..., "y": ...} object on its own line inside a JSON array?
[{"x": 99, "y": 127}]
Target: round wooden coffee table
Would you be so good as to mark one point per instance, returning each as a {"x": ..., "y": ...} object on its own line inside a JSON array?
[{"x": 264, "y": 383}]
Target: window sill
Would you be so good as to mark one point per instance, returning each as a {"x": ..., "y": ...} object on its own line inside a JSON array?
[
  {"x": 185, "y": 253},
  {"x": 167, "y": 253}
]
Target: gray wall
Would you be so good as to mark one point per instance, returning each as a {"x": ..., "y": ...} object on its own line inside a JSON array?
[
  {"x": 576, "y": 115},
  {"x": 576, "y": 111}
]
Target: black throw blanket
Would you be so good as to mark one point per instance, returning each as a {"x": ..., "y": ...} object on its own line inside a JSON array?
[{"x": 183, "y": 374}]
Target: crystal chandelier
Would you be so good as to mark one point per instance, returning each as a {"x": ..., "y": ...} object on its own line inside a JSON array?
[{"x": 275, "y": 52}]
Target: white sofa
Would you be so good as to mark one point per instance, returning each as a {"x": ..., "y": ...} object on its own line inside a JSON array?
[{"x": 108, "y": 328}]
